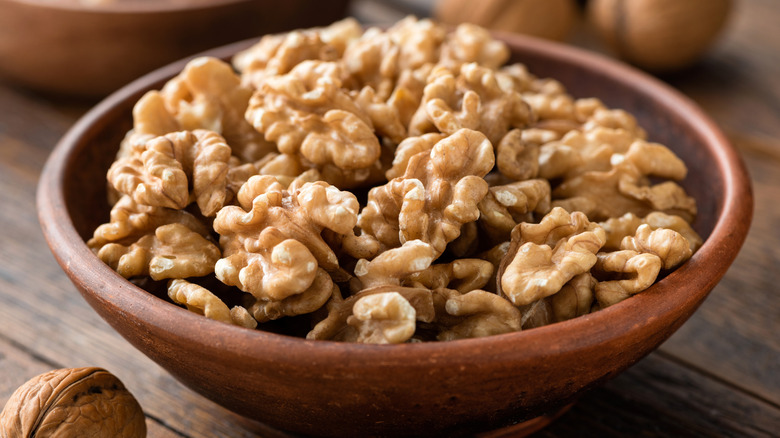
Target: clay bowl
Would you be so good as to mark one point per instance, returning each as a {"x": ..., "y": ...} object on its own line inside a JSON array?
[
  {"x": 465, "y": 386},
  {"x": 89, "y": 48}
]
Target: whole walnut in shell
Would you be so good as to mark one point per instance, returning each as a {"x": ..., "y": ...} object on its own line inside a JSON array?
[
  {"x": 551, "y": 19},
  {"x": 659, "y": 35},
  {"x": 71, "y": 402}
]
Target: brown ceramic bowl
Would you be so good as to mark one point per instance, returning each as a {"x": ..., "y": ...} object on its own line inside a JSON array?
[
  {"x": 464, "y": 386},
  {"x": 89, "y": 48}
]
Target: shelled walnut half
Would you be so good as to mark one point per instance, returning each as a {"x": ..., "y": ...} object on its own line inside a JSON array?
[{"x": 73, "y": 402}]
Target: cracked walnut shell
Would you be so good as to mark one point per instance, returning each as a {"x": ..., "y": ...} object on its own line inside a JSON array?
[{"x": 73, "y": 402}]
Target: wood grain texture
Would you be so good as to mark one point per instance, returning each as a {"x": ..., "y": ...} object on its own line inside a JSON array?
[
  {"x": 719, "y": 375},
  {"x": 661, "y": 398}
]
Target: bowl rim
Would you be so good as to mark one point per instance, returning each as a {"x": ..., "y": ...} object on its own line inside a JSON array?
[
  {"x": 134, "y": 7},
  {"x": 610, "y": 324}
]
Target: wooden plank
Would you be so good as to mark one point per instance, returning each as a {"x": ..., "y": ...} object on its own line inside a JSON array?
[{"x": 658, "y": 397}]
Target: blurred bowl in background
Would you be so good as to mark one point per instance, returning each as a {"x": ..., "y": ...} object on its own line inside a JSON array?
[{"x": 88, "y": 48}]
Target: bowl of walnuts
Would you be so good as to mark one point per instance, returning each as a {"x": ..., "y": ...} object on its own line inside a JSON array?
[{"x": 404, "y": 230}]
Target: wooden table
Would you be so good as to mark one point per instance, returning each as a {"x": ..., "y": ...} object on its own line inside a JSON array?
[{"x": 719, "y": 375}]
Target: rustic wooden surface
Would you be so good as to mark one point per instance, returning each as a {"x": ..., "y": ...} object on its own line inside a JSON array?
[{"x": 719, "y": 375}]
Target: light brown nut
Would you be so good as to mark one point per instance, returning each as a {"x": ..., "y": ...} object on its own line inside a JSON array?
[
  {"x": 198, "y": 299},
  {"x": 207, "y": 94},
  {"x": 517, "y": 158},
  {"x": 384, "y": 116},
  {"x": 667, "y": 197},
  {"x": 548, "y": 255},
  {"x": 419, "y": 41},
  {"x": 507, "y": 205},
  {"x": 467, "y": 243},
  {"x": 575, "y": 298},
  {"x": 240, "y": 316},
  {"x": 284, "y": 167},
  {"x": 151, "y": 118},
  {"x": 73, "y": 402},
  {"x": 340, "y": 34},
  {"x": 476, "y": 314},
  {"x": 372, "y": 60},
  {"x": 335, "y": 327},
  {"x": 395, "y": 265},
  {"x": 437, "y": 194},
  {"x": 579, "y": 152},
  {"x": 537, "y": 314},
  {"x": 380, "y": 59},
  {"x": 620, "y": 227},
  {"x": 173, "y": 251},
  {"x": 661, "y": 220},
  {"x": 272, "y": 244},
  {"x": 639, "y": 272},
  {"x": 304, "y": 302},
  {"x": 279, "y": 53},
  {"x": 383, "y": 318},
  {"x": 163, "y": 173},
  {"x": 130, "y": 221},
  {"x": 306, "y": 111},
  {"x": 463, "y": 275},
  {"x": 410, "y": 147},
  {"x": 556, "y": 225},
  {"x": 472, "y": 99},
  {"x": 494, "y": 255},
  {"x": 654, "y": 159},
  {"x": 548, "y": 107},
  {"x": 669, "y": 245},
  {"x": 153, "y": 178},
  {"x": 202, "y": 301},
  {"x": 611, "y": 118},
  {"x": 621, "y": 190},
  {"x": 408, "y": 92},
  {"x": 472, "y": 43}
]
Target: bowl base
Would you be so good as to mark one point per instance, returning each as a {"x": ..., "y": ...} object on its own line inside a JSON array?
[
  {"x": 518, "y": 430},
  {"x": 527, "y": 427}
]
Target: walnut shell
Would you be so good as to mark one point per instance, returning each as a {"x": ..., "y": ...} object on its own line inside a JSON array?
[
  {"x": 72, "y": 402},
  {"x": 550, "y": 19},
  {"x": 659, "y": 35}
]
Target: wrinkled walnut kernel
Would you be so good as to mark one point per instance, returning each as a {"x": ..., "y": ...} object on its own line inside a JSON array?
[
  {"x": 550, "y": 254},
  {"x": 437, "y": 194}
]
